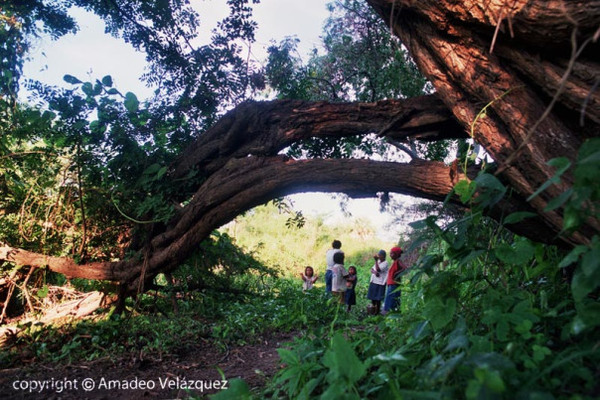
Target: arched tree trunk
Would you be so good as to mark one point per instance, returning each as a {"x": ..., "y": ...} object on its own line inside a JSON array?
[
  {"x": 240, "y": 167},
  {"x": 239, "y": 158}
]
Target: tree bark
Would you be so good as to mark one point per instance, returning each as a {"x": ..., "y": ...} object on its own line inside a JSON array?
[{"x": 532, "y": 113}]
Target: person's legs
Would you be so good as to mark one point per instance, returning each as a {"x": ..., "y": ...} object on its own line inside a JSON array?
[
  {"x": 377, "y": 305},
  {"x": 350, "y": 298},
  {"x": 338, "y": 297},
  {"x": 328, "y": 276},
  {"x": 391, "y": 299}
]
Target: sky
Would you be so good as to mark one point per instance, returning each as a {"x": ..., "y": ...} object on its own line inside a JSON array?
[{"x": 91, "y": 54}]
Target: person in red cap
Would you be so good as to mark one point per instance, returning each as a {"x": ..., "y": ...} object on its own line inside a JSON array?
[{"x": 392, "y": 297}]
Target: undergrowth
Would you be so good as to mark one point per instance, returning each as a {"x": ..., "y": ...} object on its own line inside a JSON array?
[
  {"x": 151, "y": 328},
  {"x": 485, "y": 315}
]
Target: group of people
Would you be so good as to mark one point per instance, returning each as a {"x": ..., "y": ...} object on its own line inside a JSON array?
[{"x": 383, "y": 285}]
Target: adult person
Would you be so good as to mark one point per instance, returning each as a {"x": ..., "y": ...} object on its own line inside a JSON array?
[
  {"x": 392, "y": 297},
  {"x": 378, "y": 281},
  {"x": 336, "y": 246}
]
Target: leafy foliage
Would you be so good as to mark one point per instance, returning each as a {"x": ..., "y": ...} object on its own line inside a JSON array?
[
  {"x": 265, "y": 232},
  {"x": 279, "y": 305},
  {"x": 362, "y": 61},
  {"x": 485, "y": 314}
]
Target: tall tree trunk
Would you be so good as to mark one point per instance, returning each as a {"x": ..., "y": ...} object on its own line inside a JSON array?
[{"x": 531, "y": 65}]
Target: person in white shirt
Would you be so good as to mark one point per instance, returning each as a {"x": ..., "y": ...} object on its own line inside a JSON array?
[
  {"x": 336, "y": 248},
  {"x": 378, "y": 280}
]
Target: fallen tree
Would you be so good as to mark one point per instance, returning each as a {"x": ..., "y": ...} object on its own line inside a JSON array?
[
  {"x": 242, "y": 169},
  {"x": 533, "y": 100}
]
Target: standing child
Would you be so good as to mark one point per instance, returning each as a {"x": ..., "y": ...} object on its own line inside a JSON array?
[
  {"x": 392, "y": 297},
  {"x": 379, "y": 274},
  {"x": 351, "y": 280},
  {"x": 308, "y": 278},
  {"x": 338, "y": 277}
]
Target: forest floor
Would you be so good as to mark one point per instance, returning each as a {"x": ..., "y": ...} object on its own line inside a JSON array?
[{"x": 148, "y": 376}]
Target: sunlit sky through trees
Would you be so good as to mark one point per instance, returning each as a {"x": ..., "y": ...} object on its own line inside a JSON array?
[{"x": 91, "y": 54}]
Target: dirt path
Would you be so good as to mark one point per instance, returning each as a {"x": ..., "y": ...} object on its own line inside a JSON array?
[{"x": 147, "y": 376}]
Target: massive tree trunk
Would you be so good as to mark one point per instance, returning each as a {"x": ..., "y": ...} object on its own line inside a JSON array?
[
  {"x": 239, "y": 161},
  {"x": 532, "y": 65}
]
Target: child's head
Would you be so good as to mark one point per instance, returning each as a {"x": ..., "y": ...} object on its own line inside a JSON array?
[
  {"x": 338, "y": 258},
  {"x": 308, "y": 271},
  {"x": 352, "y": 270}
]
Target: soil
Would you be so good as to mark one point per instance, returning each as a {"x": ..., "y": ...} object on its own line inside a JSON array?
[{"x": 149, "y": 376}]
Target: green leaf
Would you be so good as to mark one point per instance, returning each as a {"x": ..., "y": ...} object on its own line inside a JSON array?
[
  {"x": 494, "y": 382},
  {"x": 563, "y": 164},
  {"x": 572, "y": 218},
  {"x": 502, "y": 330},
  {"x": 492, "y": 190},
  {"x": 446, "y": 367},
  {"x": 581, "y": 285},
  {"x": 438, "y": 312},
  {"x": 237, "y": 390},
  {"x": 421, "y": 330},
  {"x": 591, "y": 159},
  {"x": 308, "y": 388},
  {"x": 472, "y": 255},
  {"x": 489, "y": 181},
  {"x": 518, "y": 217},
  {"x": 540, "y": 352},
  {"x": 431, "y": 223},
  {"x": 71, "y": 79},
  {"x": 491, "y": 360},
  {"x": 152, "y": 169},
  {"x": 342, "y": 361},
  {"x": 589, "y": 313},
  {"x": 107, "y": 81},
  {"x": 590, "y": 262},
  {"x": 88, "y": 89},
  {"x": 457, "y": 341},
  {"x": 131, "y": 102},
  {"x": 524, "y": 328},
  {"x": 390, "y": 357},
  {"x": 288, "y": 356},
  {"x": 420, "y": 224},
  {"x": 520, "y": 253},
  {"x": 43, "y": 292},
  {"x": 465, "y": 190},
  {"x": 97, "y": 88},
  {"x": 558, "y": 201}
]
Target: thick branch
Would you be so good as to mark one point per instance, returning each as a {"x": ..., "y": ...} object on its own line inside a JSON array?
[
  {"x": 248, "y": 182},
  {"x": 266, "y": 128},
  {"x": 63, "y": 265}
]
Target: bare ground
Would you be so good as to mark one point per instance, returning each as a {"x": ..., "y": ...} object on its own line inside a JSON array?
[{"x": 148, "y": 376}]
